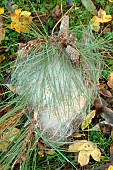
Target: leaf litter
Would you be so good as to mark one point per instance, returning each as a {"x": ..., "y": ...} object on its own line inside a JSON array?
[{"x": 87, "y": 148}]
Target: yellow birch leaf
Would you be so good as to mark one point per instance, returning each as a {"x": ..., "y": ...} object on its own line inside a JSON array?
[
  {"x": 2, "y": 34},
  {"x": 6, "y": 138},
  {"x": 41, "y": 153},
  {"x": 103, "y": 17},
  {"x": 2, "y": 57},
  {"x": 96, "y": 154},
  {"x": 78, "y": 135},
  {"x": 50, "y": 152},
  {"x": 75, "y": 147},
  {"x": 83, "y": 158},
  {"x": 88, "y": 119},
  {"x": 26, "y": 13},
  {"x": 3, "y": 47},
  {"x": 17, "y": 11},
  {"x": 110, "y": 167},
  {"x": 14, "y": 6},
  {"x": 81, "y": 145},
  {"x": 85, "y": 149},
  {"x": 110, "y": 80},
  {"x": 1, "y": 10}
]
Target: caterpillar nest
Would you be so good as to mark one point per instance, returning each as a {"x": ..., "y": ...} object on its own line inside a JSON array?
[{"x": 59, "y": 90}]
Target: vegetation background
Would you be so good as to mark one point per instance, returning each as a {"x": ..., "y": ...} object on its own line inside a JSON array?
[{"x": 25, "y": 21}]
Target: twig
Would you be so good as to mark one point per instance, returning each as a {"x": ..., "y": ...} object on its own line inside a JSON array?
[{"x": 61, "y": 19}]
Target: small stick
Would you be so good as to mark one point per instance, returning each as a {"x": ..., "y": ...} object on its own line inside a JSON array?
[{"x": 61, "y": 19}]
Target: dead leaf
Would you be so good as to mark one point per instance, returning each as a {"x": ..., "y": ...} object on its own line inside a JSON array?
[
  {"x": 23, "y": 158},
  {"x": 83, "y": 158},
  {"x": 56, "y": 11},
  {"x": 100, "y": 18},
  {"x": 107, "y": 114},
  {"x": 85, "y": 149},
  {"x": 88, "y": 119},
  {"x": 6, "y": 138},
  {"x": 1, "y": 10},
  {"x": 96, "y": 154},
  {"x": 110, "y": 167},
  {"x": 110, "y": 80},
  {"x": 2, "y": 34},
  {"x": 78, "y": 135},
  {"x": 95, "y": 128},
  {"x": 111, "y": 152},
  {"x": 105, "y": 92},
  {"x": 20, "y": 20},
  {"x": 15, "y": 6},
  {"x": 50, "y": 152},
  {"x": 103, "y": 17},
  {"x": 1, "y": 93},
  {"x": 2, "y": 58},
  {"x": 41, "y": 153}
]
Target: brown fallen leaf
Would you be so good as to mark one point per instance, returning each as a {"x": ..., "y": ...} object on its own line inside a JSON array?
[
  {"x": 111, "y": 152},
  {"x": 56, "y": 11},
  {"x": 105, "y": 92},
  {"x": 23, "y": 158},
  {"x": 1, "y": 93},
  {"x": 107, "y": 114}
]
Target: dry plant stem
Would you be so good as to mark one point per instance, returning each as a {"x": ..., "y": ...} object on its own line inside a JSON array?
[{"x": 62, "y": 18}]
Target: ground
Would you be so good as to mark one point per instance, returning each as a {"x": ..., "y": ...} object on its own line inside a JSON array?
[{"x": 19, "y": 137}]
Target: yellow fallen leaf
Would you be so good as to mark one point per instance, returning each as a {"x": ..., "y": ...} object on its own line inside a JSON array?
[
  {"x": 88, "y": 119},
  {"x": 41, "y": 153},
  {"x": 83, "y": 158},
  {"x": 20, "y": 20},
  {"x": 2, "y": 57},
  {"x": 96, "y": 154},
  {"x": 15, "y": 6},
  {"x": 50, "y": 152},
  {"x": 85, "y": 149},
  {"x": 26, "y": 13},
  {"x": 3, "y": 47},
  {"x": 100, "y": 18},
  {"x": 2, "y": 34},
  {"x": 110, "y": 167},
  {"x": 78, "y": 135},
  {"x": 76, "y": 146},
  {"x": 103, "y": 17},
  {"x": 6, "y": 138},
  {"x": 110, "y": 80},
  {"x": 17, "y": 11},
  {"x": 80, "y": 145},
  {"x": 1, "y": 10}
]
